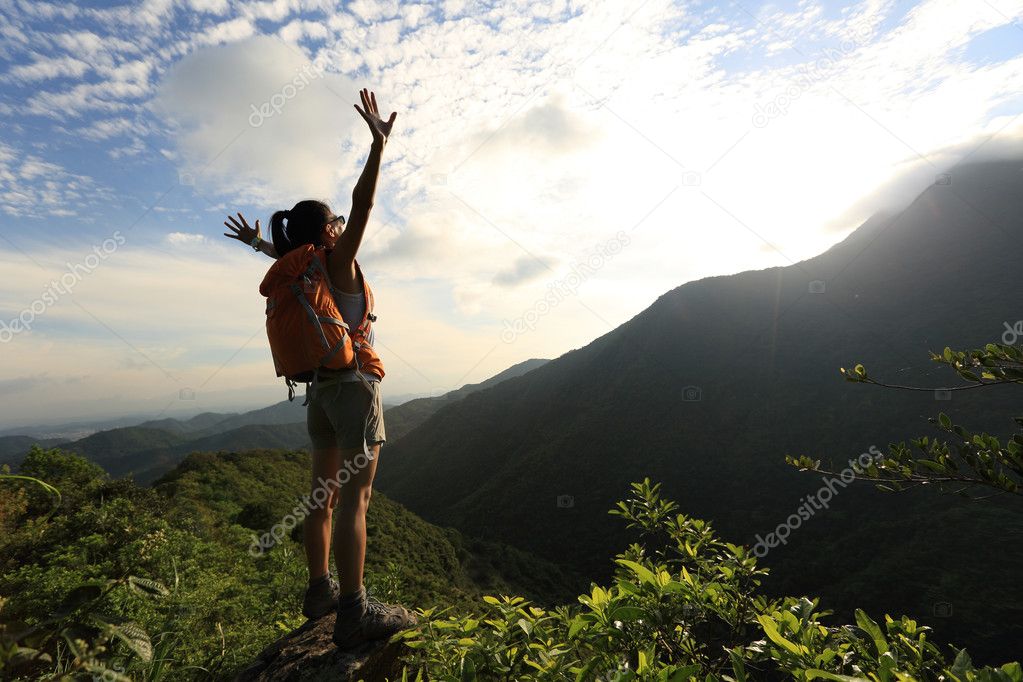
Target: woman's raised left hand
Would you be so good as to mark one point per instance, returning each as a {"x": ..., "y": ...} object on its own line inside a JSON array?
[{"x": 380, "y": 128}]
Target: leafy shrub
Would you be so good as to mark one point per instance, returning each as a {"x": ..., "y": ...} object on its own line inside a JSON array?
[{"x": 684, "y": 605}]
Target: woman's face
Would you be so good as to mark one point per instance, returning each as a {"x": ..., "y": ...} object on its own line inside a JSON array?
[{"x": 331, "y": 231}]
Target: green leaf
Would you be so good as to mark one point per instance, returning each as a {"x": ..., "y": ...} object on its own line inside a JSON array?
[
  {"x": 642, "y": 662},
  {"x": 771, "y": 629},
  {"x": 738, "y": 667},
  {"x": 628, "y": 613},
  {"x": 1013, "y": 671},
  {"x": 961, "y": 664},
  {"x": 645, "y": 574},
  {"x": 19, "y": 655},
  {"x": 586, "y": 673},
  {"x": 131, "y": 633},
  {"x": 684, "y": 673},
  {"x": 577, "y": 626},
  {"x": 146, "y": 586},
  {"x": 872, "y": 629},
  {"x": 931, "y": 464},
  {"x": 137, "y": 639}
]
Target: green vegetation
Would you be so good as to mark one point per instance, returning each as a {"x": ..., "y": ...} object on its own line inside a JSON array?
[
  {"x": 971, "y": 460},
  {"x": 158, "y": 583},
  {"x": 684, "y": 606},
  {"x": 113, "y": 580}
]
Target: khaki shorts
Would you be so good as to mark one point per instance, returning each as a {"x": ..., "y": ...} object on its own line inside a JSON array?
[{"x": 341, "y": 413}]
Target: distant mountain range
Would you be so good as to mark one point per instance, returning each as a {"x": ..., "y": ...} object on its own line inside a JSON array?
[
  {"x": 13, "y": 448},
  {"x": 70, "y": 431},
  {"x": 152, "y": 448},
  {"x": 711, "y": 386}
]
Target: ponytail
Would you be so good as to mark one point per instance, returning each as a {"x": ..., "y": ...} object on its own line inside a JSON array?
[{"x": 279, "y": 233}]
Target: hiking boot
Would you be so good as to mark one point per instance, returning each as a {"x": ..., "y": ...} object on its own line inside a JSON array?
[
  {"x": 361, "y": 619},
  {"x": 320, "y": 597}
]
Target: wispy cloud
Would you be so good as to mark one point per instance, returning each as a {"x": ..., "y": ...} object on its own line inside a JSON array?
[{"x": 34, "y": 188}]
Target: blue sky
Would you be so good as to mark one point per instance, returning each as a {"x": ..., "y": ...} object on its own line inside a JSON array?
[{"x": 657, "y": 142}]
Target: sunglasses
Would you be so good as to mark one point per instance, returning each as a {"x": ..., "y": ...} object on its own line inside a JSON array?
[{"x": 334, "y": 220}]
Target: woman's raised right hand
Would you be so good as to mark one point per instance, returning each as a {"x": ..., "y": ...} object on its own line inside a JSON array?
[{"x": 242, "y": 232}]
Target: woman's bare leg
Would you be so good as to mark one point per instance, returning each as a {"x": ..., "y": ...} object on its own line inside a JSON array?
[
  {"x": 350, "y": 520},
  {"x": 316, "y": 526}
]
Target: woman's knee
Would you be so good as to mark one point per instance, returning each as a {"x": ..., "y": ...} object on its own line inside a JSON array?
[
  {"x": 319, "y": 513},
  {"x": 355, "y": 498},
  {"x": 324, "y": 495}
]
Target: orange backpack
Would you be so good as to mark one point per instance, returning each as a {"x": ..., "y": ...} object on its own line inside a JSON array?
[{"x": 303, "y": 322}]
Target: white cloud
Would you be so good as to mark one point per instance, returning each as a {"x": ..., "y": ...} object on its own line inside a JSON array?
[
  {"x": 90, "y": 46},
  {"x": 184, "y": 238},
  {"x": 271, "y": 10},
  {"x": 134, "y": 149},
  {"x": 227, "y": 32},
  {"x": 48, "y": 10},
  {"x": 148, "y": 14},
  {"x": 44, "y": 68},
  {"x": 413, "y": 14},
  {"x": 256, "y": 120},
  {"x": 211, "y": 6},
  {"x": 33, "y": 188},
  {"x": 104, "y": 129},
  {"x": 297, "y": 30},
  {"x": 126, "y": 81},
  {"x": 370, "y": 11}
]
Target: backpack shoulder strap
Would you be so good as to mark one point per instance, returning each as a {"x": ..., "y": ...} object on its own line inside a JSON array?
[{"x": 367, "y": 291}]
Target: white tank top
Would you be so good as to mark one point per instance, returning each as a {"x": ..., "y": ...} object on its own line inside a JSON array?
[{"x": 353, "y": 307}]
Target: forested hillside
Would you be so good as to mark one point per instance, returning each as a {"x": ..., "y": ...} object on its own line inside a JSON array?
[{"x": 192, "y": 532}]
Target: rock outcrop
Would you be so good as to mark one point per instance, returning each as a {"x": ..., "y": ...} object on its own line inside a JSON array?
[{"x": 308, "y": 654}]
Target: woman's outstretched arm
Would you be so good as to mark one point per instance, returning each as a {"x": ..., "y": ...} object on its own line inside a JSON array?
[{"x": 342, "y": 258}]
